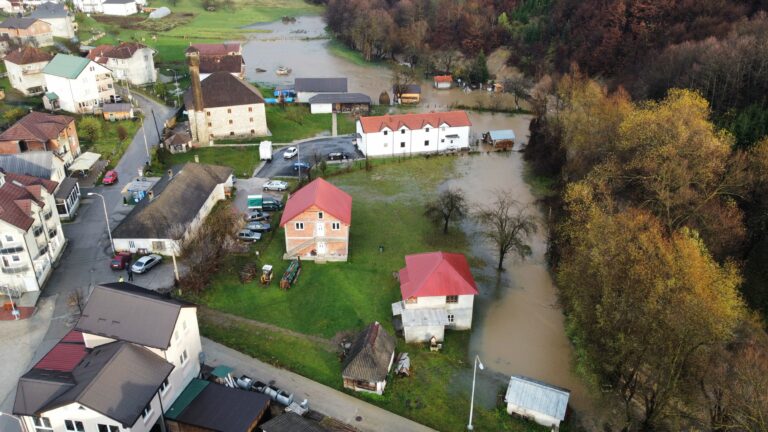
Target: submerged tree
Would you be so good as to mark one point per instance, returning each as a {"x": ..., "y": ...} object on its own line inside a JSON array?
[
  {"x": 449, "y": 206},
  {"x": 507, "y": 225}
]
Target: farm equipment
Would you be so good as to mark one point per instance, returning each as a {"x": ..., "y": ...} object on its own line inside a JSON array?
[
  {"x": 266, "y": 275},
  {"x": 291, "y": 274}
]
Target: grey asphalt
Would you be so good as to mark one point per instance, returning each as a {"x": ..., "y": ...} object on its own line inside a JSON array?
[
  {"x": 85, "y": 263},
  {"x": 280, "y": 167}
]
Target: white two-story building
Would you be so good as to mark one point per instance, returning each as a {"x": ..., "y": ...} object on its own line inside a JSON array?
[
  {"x": 438, "y": 292},
  {"x": 79, "y": 84},
  {"x": 409, "y": 134},
  {"x": 31, "y": 238},
  {"x": 128, "y": 61},
  {"x": 25, "y": 69}
]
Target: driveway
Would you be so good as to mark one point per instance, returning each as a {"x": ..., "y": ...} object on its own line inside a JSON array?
[{"x": 280, "y": 167}]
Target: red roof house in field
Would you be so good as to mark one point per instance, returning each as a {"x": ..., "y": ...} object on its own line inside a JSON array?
[
  {"x": 442, "y": 81},
  {"x": 316, "y": 220},
  {"x": 438, "y": 291}
]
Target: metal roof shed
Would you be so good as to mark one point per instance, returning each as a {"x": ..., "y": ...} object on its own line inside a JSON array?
[
  {"x": 85, "y": 161},
  {"x": 543, "y": 403},
  {"x": 505, "y": 134}
]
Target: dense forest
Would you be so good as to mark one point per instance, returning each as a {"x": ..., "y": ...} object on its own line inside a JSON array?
[{"x": 651, "y": 116}]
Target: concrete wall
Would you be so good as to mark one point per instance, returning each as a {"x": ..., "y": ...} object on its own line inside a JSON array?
[
  {"x": 25, "y": 77},
  {"x": 404, "y": 142},
  {"x": 318, "y": 235},
  {"x": 423, "y": 333},
  {"x": 538, "y": 417},
  {"x": 61, "y": 27},
  {"x": 321, "y": 108},
  {"x": 137, "y": 70},
  {"x": 231, "y": 122}
]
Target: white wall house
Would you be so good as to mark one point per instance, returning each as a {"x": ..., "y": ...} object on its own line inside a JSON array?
[
  {"x": 81, "y": 85},
  {"x": 25, "y": 69},
  {"x": 408, "y": 134},
  {"x": 438, "y": 292},
  {"x": 176, "y": 206},
  {"x": 56, "y": 14},
  {"x": 129, "y": 61},
  {"x": 31, "y": 238},
  {"x": 542, "y": 403},
  {"x": 119, "y": 7},
  {"x": 89, "y": 6}
]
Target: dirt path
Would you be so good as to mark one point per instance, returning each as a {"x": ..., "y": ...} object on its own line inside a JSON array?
[{"x": 225, "y": 319}]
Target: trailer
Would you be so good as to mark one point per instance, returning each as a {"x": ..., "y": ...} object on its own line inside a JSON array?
[{"x": 291, "y": 274}]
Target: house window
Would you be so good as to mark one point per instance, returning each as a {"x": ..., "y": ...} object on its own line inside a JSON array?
[
  {"x": 452, "y": 299},
  {"x": 253, "y": 131},
  {"x": 402, "y": 144},
  {"x": 164, "y": 386},
  {"x": 74, "y": 426},
  {"x": 451, "y": 317},
  {"x": 42, "y": 424},
  {"x": 147, "y": 411},
  {"x": 158, "y": 245},
  {"x": 231, "y": 134},
  {"x": 209, "y": 124},
  {"x": 110, "y": 428},
  {"x": 402, "y": 131},
  {"x": 208, "y": 113},
  {"x": 229, "y": 111},
  {"x": 250, "y": 119},
  {"x": 442, "y": 140},
  {"x": 299, "y": 226},
  {"x": 184, "y": 357},
  {"x": 8, "y": 238},
  {"x": 426, "y": 130},
  {"x": 386, "y": 132},
  {"x": 426, "y": 142},
  {"x": 319, "y": 215},
  {"x": 230, "y": 122},
  {"x": 176, "y": 335},
  {"x": 411, "y": 300},
  {"x": 184, "y": 326},
  {"x": 335, "y": 226},
  {"x": 250, "y": 109}
]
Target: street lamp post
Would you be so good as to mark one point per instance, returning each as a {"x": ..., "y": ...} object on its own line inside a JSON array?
[
  {"x": 106, "y": 217},
  {"x": 472, "y": 401},
  {"x": 14, "y": 311},
  {"x": 146, "y": 146}
]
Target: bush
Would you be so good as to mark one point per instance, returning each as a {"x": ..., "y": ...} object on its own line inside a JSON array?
[{"x": 89, "y": 128}]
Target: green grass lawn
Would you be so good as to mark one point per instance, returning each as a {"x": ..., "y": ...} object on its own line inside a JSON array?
[
  {"x": 294, "y": 122},
  {"x": 109, "y": 145},
  {"x": 243, "y": 160}
]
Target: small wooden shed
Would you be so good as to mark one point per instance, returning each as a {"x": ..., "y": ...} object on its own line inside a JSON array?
[
  {"x": 500, "y": 139},
  {"x": 117, "y": 111}
]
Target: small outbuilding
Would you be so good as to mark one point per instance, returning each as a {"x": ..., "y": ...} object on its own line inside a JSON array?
[
  {"x": 120, "y": 7},
  {"x": 117, "y": 111},
  {"x": 369, "y": 360},
  {"x": 442, "y": 81},
  {"x": 542, "y": 403},
  {"x": 407, "y": 93},
  {"x": 340, "y": 103},
  {"x": 500, "y": 139}
]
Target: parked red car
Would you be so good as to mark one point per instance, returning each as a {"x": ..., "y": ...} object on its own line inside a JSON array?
[
  {"x": 110, "y": 177},
  {"x": 120, "y": 261}
]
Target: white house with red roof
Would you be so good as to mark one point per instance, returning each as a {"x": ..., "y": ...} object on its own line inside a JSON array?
[
  {"x": 438, "y": 292},
  {"x": 129, "y": 61},
  {"x": 408, "y": 134},
  {"x": 317, "y": 219}
]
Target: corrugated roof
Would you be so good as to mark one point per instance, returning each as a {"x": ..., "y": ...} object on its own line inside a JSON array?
[
  {"x": 321, "y": 85},
  {"x": 49, "y": 10},
  {"x": 27, "y": 55},
  {"x": 220, "y": 89},
  {"x": 322, "y": 194},
  {"x": 124, "y": 311},
  {"x": 340, "y": 98},
  {"x": 414, "y": 121},
  {"x": 369, "y": 357},
  {"x": 63, "y": 357},
  {"x": 177, "y": 202},
  {"x": 66, "y": 66},
  {"x": 537, "y": 396},
  {"x": 85, "y": 161},
  {"x": 291, "y": 422},
  {"x": 436, "y": 274},
  {"x": 224, "y": 409},
  {"x": 424, "y": 317},
  {"x": 190, "y": 392},
  {"x": 505, "y": 134},
  {"x": 117, "y": 107},
  {"x": 35, "y": 164},
  {"x": 37, "y": 126}
]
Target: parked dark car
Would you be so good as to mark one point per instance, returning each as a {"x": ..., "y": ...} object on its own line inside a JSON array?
[
  {"x": 271, "y": 205},
  {"x": 338, "y": 156},
  {"x": 256, "y": 216},
  {"x": 120, "y": 261},
  {"x": 301, "y": 166}
]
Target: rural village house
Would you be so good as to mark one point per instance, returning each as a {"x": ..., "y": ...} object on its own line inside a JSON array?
[
  {"x": 438, "y": 292},
  {"x": 56, "y": 14},
  {"x": 117, "y": 111},
  {"x": 119, "y": 7},
  {"x": 324, "y": 103},
  {"x": 31, "y": 238},
  {"x": 408, "y": 134},
  {"x": 231, "y": 64},
  {"x": 543, "y": 403},
  {"x": 317, "y": 219},
  {"x": 128, "y": 61},
  {"x": 215, "y": 49},
  {"x": 40, "y": 132},
  {"x": 222, "y": 106},
  {"x": 27, "y": 31},
  {"x": 45, "y": 165},
  {"x": 306, "y": 88},
  {"x": 25, "y": 69},
  {"x": 79, "y": 85},
  {"x": 369, "y": 360},
  {"x": 176, "y": 205},
  {"x": 442, "y": 81}
]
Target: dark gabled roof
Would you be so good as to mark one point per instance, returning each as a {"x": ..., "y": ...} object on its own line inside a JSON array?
[
  {"x": 18, "y": 23},
  {"x": 35, "y": 164},
  {"x": 176, "y": 204},
  {"x": 127, "y": 312},
  {"x": 27, "y": 55},
  {"x": 65, "y": 188},
  {"x": 340, "y": 98},
  {"x": 37, "y": 126},
  {"x": 49, "y": 10},
  {"x": 117, "y": 107},
  {"x": 321, "y": 85},
  {"x": 369, "y": 357},
  {"x": 227, "y": 63},
  {"x": 220, "y": 89},
  {"x": 291, "y": 422},
  {"x": 407, "y": 88},
  {"x": 117, "y": 380},
  {"x": 215, "y": 49},
  {"x": 219, "y": 408}
]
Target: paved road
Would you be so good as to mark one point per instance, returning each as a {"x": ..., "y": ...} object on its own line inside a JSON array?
[
  {"x": 324, "y": 399},
  {"x": 280, "y": 167},
  {"x": 84, "y": 264}
]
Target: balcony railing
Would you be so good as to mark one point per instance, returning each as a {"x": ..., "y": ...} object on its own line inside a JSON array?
[
  {"x": 11, "y": 250},
  {"x": 16, "y": 269}
]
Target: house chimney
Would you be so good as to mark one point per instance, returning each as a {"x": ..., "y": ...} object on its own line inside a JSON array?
[{"x": 193, "y": 59}]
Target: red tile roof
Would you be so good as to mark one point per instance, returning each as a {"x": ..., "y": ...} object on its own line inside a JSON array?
[
  {"x": 414, "y": 121},
  {"x": 27, "y": 55},
  {"x": 322, "y": 194},
  {"x": 17, "y": 195},
  {"x": 436, "y": 274},
  {"x": 443, "y": 78},
  {"x": 37, "y": 126},
  {"x": 125, "y": 50},
  {"x": 65, "y": 355}
]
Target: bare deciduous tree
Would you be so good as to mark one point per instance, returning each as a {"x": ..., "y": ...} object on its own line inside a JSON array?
[
  {"x": 402, "y": 77},
  {"x": 449, "y": 206},
  {"x": 508, "y": 225}
]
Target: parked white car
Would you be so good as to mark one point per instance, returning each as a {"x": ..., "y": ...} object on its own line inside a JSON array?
[
  {"x": 275, "y": 185},
  {"x": 290, "y": 152},
  {"x": 145, "y": 263}
]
